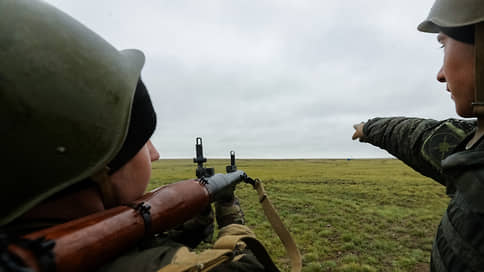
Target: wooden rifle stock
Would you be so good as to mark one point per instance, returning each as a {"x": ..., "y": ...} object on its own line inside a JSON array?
[{"x": 88, "y": 242}]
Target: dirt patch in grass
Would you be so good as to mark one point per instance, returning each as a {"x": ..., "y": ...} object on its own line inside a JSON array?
[{"x": 422, "y": 267}]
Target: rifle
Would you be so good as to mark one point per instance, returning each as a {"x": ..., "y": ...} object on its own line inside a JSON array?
[{"x": 86, "y": 243}]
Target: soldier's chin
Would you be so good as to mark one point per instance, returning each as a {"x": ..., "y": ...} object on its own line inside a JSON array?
[{"x": 466, "y": 113}]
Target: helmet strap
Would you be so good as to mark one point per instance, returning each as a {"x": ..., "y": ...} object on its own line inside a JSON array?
[{"x": 478, "y": 104}]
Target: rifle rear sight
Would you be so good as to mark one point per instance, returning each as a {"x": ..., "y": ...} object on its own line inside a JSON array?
[{"x": 202, "y": 171}]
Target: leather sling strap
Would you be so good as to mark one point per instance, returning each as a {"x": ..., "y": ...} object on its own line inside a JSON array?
[{"x": 291, "y": 249}]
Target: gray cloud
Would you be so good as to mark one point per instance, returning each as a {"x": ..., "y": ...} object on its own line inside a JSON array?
[{"x": 275, "y": 78}]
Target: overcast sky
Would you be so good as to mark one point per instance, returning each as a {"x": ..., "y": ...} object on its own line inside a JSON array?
[{"x": 275, "y": 78}]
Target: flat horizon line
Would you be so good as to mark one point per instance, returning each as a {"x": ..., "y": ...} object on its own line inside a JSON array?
[{"x": 286, "y": 158}]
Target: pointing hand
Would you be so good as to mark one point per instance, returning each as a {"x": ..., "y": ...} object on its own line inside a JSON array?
[{"x": 358, "y": 131}]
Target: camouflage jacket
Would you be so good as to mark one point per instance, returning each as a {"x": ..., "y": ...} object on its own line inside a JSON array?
[{"x": 437, "y": 150}]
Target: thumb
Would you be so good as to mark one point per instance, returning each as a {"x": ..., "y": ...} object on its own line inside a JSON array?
[{"x": 355, "y": 136}]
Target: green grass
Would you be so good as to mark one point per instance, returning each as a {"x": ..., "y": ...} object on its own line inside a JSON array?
[{"x": 357, "y": 215}]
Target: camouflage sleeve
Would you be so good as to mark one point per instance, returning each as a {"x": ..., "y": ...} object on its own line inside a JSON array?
[{"x": 419, "y": 143}]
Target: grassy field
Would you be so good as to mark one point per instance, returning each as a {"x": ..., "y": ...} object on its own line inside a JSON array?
[{"x": 356, "y": 215}]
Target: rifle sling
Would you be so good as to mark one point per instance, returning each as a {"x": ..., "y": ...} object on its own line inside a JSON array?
[{"x": 291, "y": 249}]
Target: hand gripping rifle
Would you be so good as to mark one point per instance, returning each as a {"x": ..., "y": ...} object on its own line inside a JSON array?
[{"x": 88, "y": 242}]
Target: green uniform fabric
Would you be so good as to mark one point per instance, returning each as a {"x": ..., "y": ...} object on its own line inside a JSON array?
[
  {"x": 151, "y": 259},
  {"x": 161, "y": 252},
  {"x": 419, "y": 143},
  {"x": 423, "y": 144}
]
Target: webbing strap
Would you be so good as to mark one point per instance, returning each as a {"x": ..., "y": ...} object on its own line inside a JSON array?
[{"x": 291, "y": 249}]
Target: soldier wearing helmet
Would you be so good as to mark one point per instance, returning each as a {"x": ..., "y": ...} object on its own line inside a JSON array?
[
  {"x": 76, "y": 127},
  {"x": 450, "y": 151}
]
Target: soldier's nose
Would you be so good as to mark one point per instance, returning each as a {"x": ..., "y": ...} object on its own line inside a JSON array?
[
  {"x": 154, "y": 155},
  {"x": 441, "y": 76}
]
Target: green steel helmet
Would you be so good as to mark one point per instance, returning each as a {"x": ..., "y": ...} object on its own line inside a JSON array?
[
  {"x": 66, "y": 96},
  {"x": 453, "y": 13},
  {"x": 462, "y": 20}
]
